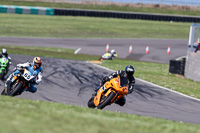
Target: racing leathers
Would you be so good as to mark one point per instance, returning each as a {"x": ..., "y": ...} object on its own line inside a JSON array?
[
  {"x": 33, "y": 82},
  {"x": 131, "y": 84}
]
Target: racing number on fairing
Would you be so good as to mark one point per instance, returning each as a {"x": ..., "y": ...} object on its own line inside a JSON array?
[
  {"x": 27, "y": 76},
  {"x": 124, "y": 89}
]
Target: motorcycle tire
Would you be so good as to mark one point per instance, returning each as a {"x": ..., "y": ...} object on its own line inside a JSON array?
[
  {"x": 3, "y": 92},
  {"x": 91, "y": 103},
  {"x": 2, "y": 74},
  {"x": 106, "y": 101},
  {"x": 16, "y": 89}
]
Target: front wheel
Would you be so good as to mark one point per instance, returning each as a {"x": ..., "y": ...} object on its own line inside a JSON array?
[
  {"x": 2, "y": 74},
  {"x": 15, "y": 88},
  {"x": 91, "y": 103},
  {"x": 3, "y": 92},
  {"x": 107, "y": 100}
]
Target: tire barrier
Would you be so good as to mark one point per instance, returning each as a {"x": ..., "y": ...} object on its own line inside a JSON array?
[
  {"x": 177, "y": 67},
  {"x": 125, "y": 15},
  {"x": 26, "y": 10}
]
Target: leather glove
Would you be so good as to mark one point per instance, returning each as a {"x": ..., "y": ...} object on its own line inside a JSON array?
[
  {"x": 130, "y": 90},
  {"x": 105, "y": 79}
]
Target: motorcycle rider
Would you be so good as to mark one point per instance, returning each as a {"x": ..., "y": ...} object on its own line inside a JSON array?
[
  {"x": 110, "y": 55},
  {"x": 4, "y": 54},
  {"x": 34, "y": 67},
  {"x": 197, "y": 46},
  {"x": 128, "y": 73}
]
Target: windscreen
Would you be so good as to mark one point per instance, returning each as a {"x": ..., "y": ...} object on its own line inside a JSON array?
[{"x": 123, "y": 81}]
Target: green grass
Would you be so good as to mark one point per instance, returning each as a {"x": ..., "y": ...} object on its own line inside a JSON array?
[
  {"x": 89, "y": 27},
  {"x": 126, "y": 8},
  {"x": 49, "y": 52},
  {"x": 27, "y": 116},
  {"x": 152, "y": 72}
]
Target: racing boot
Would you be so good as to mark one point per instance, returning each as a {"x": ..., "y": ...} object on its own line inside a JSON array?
[{"x": 121, "y": 101}]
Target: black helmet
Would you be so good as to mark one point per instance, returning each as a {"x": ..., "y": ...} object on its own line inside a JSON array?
[
  {"x": 4, "y": 51},
  {"x": 129, "y": 70}
]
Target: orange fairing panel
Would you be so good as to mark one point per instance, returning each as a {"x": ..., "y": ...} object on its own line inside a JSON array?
[
  {"x": 15, "y": 77},
  {"x": 123, "y": 90},
  {"x": 117, "y": 87},
  {"x": 107, "y": 85},
  {"x": 98, "y": 97},
  {"x": 115, "y": 82}
]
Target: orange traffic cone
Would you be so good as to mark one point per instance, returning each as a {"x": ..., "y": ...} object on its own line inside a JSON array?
[
  {"x": 147, "y": 49},
  {"x": 168, "y": 50},
  {"x": 130, "y": 49},
  {"x": 107, "y": 47}
]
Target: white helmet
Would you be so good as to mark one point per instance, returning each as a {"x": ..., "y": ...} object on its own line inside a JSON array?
[
  {"x": 112, "y": 51},
  {"x": 4, "y": 51}
]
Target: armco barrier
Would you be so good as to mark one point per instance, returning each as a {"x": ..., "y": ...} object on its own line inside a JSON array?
[
  {"x": 26, "y": 10},
  {"x": 125, "y": 15}
]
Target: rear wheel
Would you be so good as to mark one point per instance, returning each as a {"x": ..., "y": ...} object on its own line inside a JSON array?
[{"x": 107, "y": 100}]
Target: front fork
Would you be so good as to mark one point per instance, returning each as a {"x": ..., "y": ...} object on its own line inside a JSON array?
[
  {"x": 116, "y": 95},
  {"x": 12, "y": 80}
]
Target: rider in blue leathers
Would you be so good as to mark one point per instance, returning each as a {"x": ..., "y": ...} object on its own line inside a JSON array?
[{"x": 34, "y": 68}]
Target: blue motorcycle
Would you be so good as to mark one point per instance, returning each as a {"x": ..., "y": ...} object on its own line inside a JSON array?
[{"x": 19, "y": 84}]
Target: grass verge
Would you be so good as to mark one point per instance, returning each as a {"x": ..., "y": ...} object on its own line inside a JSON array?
[
  {"x": 48, "y": 52},
  {"x": 111, "y": 7},
  {"x": 89, "y": 27},
  {"x": 23, "y": 115}
]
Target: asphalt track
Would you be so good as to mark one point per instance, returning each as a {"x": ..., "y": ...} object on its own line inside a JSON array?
[
  {"x": 72, "y": 82},
  {"x": 157, "y": 47}
]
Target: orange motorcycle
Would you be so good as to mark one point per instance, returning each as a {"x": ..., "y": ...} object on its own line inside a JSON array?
[{"x": 109, "y": 93}]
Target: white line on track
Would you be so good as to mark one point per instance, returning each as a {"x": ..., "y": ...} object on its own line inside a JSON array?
[
  {"x": 181, "y": 57},
  {"x": 152, "y": 84},
  {"x": 79, "y": 49}
]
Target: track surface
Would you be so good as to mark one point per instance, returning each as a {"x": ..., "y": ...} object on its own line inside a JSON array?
[
  {"x": 157, "y": 47},
  {"x": 72, "y": 82}
]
